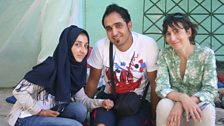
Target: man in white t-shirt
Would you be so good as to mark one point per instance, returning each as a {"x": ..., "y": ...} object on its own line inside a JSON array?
[{"x": 134, "y": 57}]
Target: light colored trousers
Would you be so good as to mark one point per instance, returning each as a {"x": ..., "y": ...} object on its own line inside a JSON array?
[{"x": 165, "y": 106}]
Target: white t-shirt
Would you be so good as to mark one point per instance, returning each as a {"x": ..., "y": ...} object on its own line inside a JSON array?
[{"x": 130, "y": 67}]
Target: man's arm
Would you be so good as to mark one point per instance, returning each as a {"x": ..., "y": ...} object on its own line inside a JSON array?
[
  {"x": 154, "y": 98},
  {"x": 92, "y": 81}
]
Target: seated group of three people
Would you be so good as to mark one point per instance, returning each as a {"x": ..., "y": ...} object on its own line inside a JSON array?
[{"x": 183, "y": 75}]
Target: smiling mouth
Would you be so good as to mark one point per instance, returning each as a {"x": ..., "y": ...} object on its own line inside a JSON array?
[
  {"x": 175, "y": 43},
  {"x": 80, "y": 56},
  {"x": 116, "y": 38}
]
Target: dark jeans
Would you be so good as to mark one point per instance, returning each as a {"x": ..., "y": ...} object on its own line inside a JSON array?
[{"x": 100, "y": 115}]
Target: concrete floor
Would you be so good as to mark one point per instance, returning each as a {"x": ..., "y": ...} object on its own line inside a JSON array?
[{"x": 5, "y": 108}]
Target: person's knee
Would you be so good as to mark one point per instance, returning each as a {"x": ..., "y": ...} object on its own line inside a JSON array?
[
  {"x": 208, "y": 117},
  {"x": 103, "y": 118},
  {"x": 82, "y": 112},
  {"x": 101, "y": 124},
  {"x": 164, "y": 105},
  {"x": 208, "y": 113},
  {"x": 77, "y": 111},
  {"x": 71, "y": 123},
  {"x": 163, "y": 109}
]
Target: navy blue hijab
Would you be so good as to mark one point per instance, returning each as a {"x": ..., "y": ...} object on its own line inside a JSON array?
[{"x": 61, "y": 75}]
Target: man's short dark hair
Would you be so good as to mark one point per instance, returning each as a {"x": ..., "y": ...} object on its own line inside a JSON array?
[{"x": 120, "y": 10}]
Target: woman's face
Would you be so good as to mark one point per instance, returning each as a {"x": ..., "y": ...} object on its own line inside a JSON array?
[
  {"x": 80, "y": 47},
  {"x": 177, "y": 37}
]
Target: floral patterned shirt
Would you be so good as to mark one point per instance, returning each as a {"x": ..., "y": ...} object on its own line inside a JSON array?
[{"x": 200, "y": 78}]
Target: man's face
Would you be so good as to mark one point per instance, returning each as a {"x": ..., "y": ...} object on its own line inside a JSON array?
[{"x": 118, "y": 31}]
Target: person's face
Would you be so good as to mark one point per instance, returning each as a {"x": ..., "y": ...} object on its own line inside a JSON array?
[
  {"x": 118, "y": 31},
  {"x": 177, "y": 37},
  {"x": 80, "y": 47}
]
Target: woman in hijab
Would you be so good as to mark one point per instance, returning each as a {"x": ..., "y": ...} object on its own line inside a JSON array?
[{"x": 52, "y": 93}]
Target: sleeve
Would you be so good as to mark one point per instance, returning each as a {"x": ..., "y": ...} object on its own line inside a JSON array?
[
  {"x": 163, "y": 86},
  {"x": 96, "y": 56},
  {"x": 90, "y": 103},
  {"x": 152, "y": 55},
  {"x": 23, "y": 93},
  {"x": 209, "y": 83}
]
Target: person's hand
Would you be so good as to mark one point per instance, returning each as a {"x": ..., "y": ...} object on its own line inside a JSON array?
[
  {"x": 48, "y": 112},
  {"x": 175, "y": 115},
  {"x": 191, "y": 108},
  {"x": 108, "y": 104}
]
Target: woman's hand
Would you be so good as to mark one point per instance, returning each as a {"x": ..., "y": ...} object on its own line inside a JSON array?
[
  {"x": 108, "y": 104},
  {"x": 191, "y": 108},
  {"x": 175, "y": 115},
  {"x": 48, "y": 112}
]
